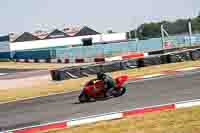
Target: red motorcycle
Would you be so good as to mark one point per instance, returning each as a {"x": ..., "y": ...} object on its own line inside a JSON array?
[{"x": 94, "y": 89}]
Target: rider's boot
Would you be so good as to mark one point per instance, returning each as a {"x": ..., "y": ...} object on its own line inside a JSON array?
[{"x": 109, "y": 92}]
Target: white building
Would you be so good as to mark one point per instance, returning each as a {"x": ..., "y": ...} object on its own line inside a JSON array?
[{"x": 62, "y": 38}]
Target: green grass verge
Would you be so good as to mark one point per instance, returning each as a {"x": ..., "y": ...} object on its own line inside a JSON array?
[{"x": 174, "y": 121}]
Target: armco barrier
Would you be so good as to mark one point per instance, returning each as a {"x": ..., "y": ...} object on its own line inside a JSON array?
[
  {"x": 163, "y": 51},
  {"x": 83, "y": 71},
  {"x": 78, "y": 72}
]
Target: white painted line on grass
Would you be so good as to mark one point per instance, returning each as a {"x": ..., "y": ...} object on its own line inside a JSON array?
[
  {"x": 94, "y": 119},
  {"x": 187, "y": 104}
]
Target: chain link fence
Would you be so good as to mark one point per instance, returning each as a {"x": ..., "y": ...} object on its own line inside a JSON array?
[{"x": 114, "y": 49}]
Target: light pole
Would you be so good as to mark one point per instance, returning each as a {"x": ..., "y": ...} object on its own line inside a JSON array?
[
  {"x": 163, "y": 33},
  {"x": 190, "y": 31},
  {"x": 163, "y": 36},
  {"x": 137, "y": 49}
]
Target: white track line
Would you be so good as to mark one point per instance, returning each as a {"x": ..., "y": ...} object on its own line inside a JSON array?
[
  {"x": 94, "y": 119},
  {"x": 187, "y": 69},
  {"x": 1, "y": 74},
  {"x": 153, "y": 75}
]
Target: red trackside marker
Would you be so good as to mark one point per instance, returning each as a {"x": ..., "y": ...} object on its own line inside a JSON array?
[
  {"x": 133, "y": 56},
  {"x": 42, "y": 128},
  {"x": 148, "y": 109}
]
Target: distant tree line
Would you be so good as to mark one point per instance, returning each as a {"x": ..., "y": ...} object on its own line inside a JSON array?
[{"x": 153, "y": 30}]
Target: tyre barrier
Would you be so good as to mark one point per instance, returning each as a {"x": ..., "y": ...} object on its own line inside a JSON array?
[
  {"x": 179, "y": 57},
  {"x": 129, "y": 64},
  {"x": 149, "y": 61},
  {"x": 165, "y": 59},
  {"x": 54, "y": 74},
  {"x": 195, "y": 55},
  {"x": 84, "y": 71}
]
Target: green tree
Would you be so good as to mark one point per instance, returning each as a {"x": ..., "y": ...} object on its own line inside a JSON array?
[
  {"x": 149, "y": 30},
  {"x": 196, "y": 24},
  {"x": 152, "y": 30}
]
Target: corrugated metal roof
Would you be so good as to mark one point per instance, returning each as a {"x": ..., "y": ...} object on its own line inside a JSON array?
[{"x": 68, "y": 31}]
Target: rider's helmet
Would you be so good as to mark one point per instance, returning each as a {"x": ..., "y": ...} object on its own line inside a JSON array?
[{"x": 100, "y": 75}]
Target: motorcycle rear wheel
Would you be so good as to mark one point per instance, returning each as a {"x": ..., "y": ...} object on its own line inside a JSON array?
[{"x": 119, "y": 91}]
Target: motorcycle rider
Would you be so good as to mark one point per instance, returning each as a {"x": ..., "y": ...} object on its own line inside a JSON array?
[{"x": 109, "y": 82}]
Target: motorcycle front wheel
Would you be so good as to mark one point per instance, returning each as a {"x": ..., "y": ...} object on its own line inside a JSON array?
[{"x": 83, "y": 98}]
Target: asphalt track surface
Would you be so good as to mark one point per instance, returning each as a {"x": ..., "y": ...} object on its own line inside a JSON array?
[
  {"x": 166, "y": 89},
  {"x": 6, "y": 70},
  {"x": 21, "y": 73}
]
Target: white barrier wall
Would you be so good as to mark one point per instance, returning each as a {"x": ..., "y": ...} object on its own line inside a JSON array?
[
  {"x": 66, "y": 41},
  {"x": 114, "y": 37}
]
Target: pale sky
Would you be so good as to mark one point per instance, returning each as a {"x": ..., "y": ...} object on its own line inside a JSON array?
[{"x": 101, "y": 15}]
